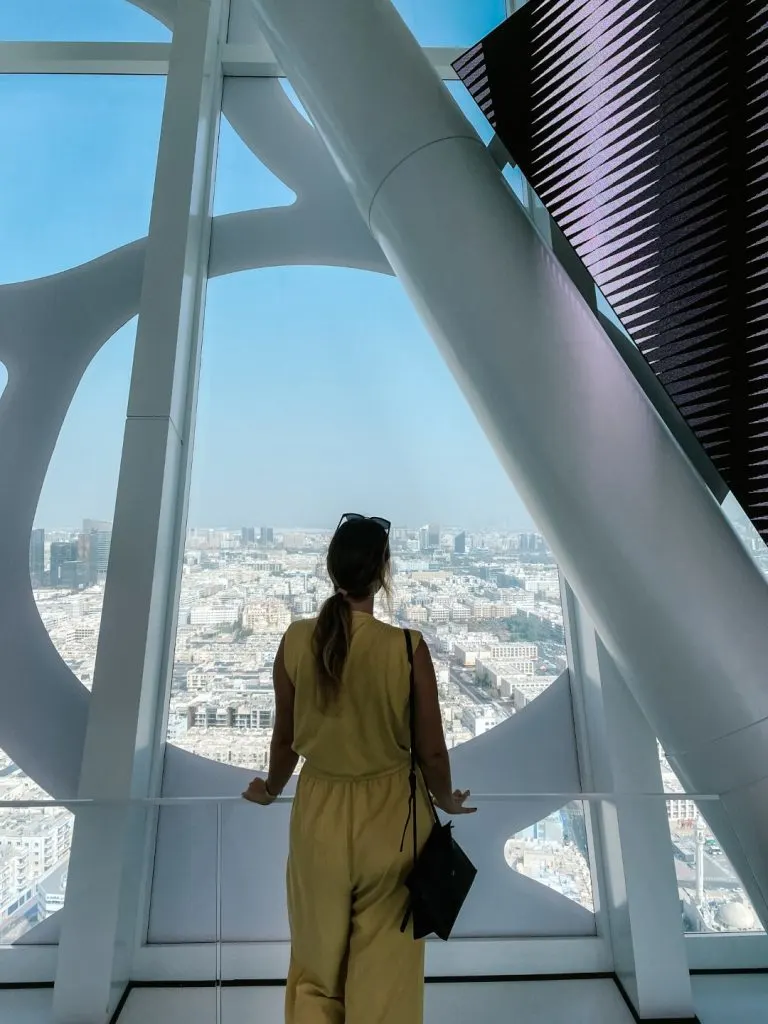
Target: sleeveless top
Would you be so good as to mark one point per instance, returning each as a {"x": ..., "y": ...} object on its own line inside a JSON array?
[{"x": 365, "y": 732}]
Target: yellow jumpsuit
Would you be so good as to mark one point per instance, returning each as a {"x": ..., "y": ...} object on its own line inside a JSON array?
[{"x": 350, "y": 964}]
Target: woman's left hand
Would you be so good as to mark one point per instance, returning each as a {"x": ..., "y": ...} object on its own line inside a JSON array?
[{"x": 257, "y": 793}]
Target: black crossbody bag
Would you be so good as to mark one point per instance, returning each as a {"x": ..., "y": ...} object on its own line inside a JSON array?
[{"x": 442, "y": 874}]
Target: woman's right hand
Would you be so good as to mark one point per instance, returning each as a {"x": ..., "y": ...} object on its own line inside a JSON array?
[{"x": 455, "y": 803}]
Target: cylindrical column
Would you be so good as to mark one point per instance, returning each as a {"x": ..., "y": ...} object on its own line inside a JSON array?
[{"x": 675, "y": 597}]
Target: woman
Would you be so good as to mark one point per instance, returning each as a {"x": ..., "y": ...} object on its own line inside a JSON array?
[{"x": 342, "y": 686}]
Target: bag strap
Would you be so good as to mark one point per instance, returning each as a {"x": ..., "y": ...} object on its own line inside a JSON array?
[
  {"x": 412, "y": 776},
  {"x": 412, "y": 773}
]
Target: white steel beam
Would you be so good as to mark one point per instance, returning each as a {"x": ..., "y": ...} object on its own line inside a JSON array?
[
  {"x": 252, "y": 60},
  {"x": 124, "y": 735},
  {"x": 639, "y": 903},
  {"x": 256, "y": 60},
  {"x": 84, "y": 58}
]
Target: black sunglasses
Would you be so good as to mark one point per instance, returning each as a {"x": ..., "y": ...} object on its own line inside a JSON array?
[{"x": 351, "y": 517}]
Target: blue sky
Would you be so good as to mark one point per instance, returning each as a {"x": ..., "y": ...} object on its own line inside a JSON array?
[{"x": 320, "y": 389}]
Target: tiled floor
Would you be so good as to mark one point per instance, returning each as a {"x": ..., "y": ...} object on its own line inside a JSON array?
[{"x": 735, "y": 999}]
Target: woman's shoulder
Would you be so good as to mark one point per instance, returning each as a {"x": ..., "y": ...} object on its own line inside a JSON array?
[
  {"x": 395, "y": 634},
  {"x": 299, "y": 634},
  {"x": 301, "y": 628}
]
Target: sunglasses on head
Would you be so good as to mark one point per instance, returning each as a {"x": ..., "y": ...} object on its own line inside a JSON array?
[{"x": 350, "y": 517}]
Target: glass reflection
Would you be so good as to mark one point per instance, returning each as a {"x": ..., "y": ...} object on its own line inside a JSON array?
[
  {"x": 451, "y": 22},
  {"x": 79, "y": 21}
]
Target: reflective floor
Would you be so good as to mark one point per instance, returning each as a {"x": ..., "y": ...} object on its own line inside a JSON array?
[
  {"x": 574, "y": 1002},
  {"x": 731, "y": 999},
  {"x": 736, "y": 999}
]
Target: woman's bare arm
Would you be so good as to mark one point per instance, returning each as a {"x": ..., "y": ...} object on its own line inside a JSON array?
[
  {"x": 282, "y": 757},
  {"x": 431, "y": 749}
]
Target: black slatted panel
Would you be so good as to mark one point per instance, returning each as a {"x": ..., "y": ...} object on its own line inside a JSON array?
[{"x": 643, "y": 127}]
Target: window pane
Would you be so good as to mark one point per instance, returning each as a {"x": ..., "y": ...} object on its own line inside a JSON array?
[
  {"x": 747, "y": 533},
  {"x": 470, "y": 110},
  {"x": 555, "y": 853},
  {"x": 34, "y": 853},
  {"x": 471, "y": 571},
  {"x": 79, "y": 20},
  {"x": 712, "y": 898},
  {"x": 69, "y": 547},
  {"x": 451, "y": 22},
  {"x": 297, "y": 354},
  {"x": 80, "y": 184},
  {"x": 242, "y": 181}
]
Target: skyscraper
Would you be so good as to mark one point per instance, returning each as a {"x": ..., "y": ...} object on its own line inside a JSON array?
[
  {"x": 267, "y": 535},
  {"x": 248, "y": 535},
  {"x": 460, "y": 543},
  {"x": 96, "y": 542},
  {"x": 61, "y": 552},
  {"x": 37, "y": 557},
  {"x": 74, "y": 575},
  {"x": 433, "y": 535}
]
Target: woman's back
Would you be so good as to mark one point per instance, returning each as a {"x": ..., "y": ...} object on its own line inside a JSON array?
[{"x": 364, "y": 731}]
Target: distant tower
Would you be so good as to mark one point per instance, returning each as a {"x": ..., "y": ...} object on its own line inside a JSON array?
[
  {"x": 248, "y": 535},
  {"x": 97, "y": 537},
  {"x": 37, "y": 557},
  {"x": 61, "y": 552},
  {"x": 699, "y": 865},
  {"x": 460, "y": 543},
  {"x": 433, "y": 532},
  {"x": 267, "y": 535}
]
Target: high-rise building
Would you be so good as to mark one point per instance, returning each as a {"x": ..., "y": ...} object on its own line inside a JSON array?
[
  {"x": 248, "y": 535},
  {"x": 74, "y": 575},
  {"x": 460, "y": 543},
  {"x": 37, "y": 557},
  {"x": 96, "y": 541},
  {"x": 61, "y": 552},
  {"x": 429, "y": 537},
  {"x": 267, "y": 535}
]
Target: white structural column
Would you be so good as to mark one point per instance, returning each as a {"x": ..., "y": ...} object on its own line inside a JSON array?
[
  {"x": 674, "y": 596},
  {"x": 103, "y": 907},
  {"x": 638, "y": 890}
]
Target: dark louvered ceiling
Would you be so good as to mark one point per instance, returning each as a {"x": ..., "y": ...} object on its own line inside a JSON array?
[{"x": 643, "y": 127}]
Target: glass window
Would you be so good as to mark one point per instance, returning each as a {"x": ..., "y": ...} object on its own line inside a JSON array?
[
  {"x": 80, "y": 182},
  {"x": 470, "y": 110},
  {"x": 555, "y": 853},
  {"x": 471, "y": 570},
  {"x": 451, "y": 22},
  {"x": 292, "y": 357},
  {"x": 80, "y": 185},
  {"x": 712, "y": 898},
  {"x": 34, "y": 854},
  {"x": 517, "y": 182},
  {"x": 69, "y": 547},
  {"x": 746, "y": 532},
  {"x": 242, "y": 181},
  {"x": 79, "y": 21}
]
